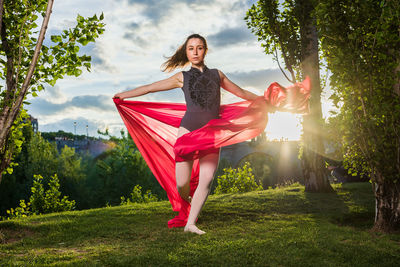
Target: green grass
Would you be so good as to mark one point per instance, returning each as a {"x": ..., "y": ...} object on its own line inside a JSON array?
[{"x": 277, "y": 227}]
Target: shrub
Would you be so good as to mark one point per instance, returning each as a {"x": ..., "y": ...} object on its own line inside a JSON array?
[
  {"x": 41, "y": 201},
  {"x": 237, "y": 180},
  {"x": 138, "y": 197},
  {"x": 19, "y": 212}
]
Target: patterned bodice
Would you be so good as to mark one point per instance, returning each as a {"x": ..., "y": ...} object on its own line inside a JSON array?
[{"x": 202, "y": 90}]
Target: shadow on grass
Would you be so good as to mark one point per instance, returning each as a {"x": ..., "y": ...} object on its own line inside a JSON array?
[{"x": 350, "y": 205}]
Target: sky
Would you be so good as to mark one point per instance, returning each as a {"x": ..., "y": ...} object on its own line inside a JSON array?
[{"x": 138, "y": 35}]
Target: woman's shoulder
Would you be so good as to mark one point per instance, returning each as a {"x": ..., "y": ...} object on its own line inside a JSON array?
[{"x": 217, "y": 72}]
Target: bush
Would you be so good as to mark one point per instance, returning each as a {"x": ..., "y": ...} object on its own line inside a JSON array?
[
  {"x": 41, "y": 201},
  {"x": 137, "y": 197},
  {"x": 237, "y": 180}
]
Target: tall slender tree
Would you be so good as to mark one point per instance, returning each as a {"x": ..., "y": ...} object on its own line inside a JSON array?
[
  {"x": 289, "y": 26},
  {"x": 26, "y": 64}
]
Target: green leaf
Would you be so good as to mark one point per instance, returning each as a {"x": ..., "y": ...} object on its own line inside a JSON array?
[
  {"x": 56, "y": 38},
  {"x": 53, "y": 82},
  {"x": 77, "y": 72},
  {"x": 83, "y": 41}
]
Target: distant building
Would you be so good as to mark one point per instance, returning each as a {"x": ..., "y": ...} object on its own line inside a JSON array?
[
  {"x": 34, "y": 123},
  {"x": 93, "y": 147}
]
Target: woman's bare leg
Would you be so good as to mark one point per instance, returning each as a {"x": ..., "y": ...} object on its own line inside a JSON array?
[
  {"x": 208, "y": 166},
  {"x": 183, "y": 171}
]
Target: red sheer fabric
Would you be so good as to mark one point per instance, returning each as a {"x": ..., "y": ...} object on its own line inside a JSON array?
[{"x": 154, "y": 128}]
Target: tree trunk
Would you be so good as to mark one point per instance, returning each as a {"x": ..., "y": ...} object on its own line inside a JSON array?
[
  {"x": 1, "y": 12},
  {"x": 387, "y": 206},
  {"x": 387, "y": 193},
  {"x": 313, "y": 164}
]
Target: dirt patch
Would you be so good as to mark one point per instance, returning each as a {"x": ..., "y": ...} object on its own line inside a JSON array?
[{"x": 10, "y": 236}]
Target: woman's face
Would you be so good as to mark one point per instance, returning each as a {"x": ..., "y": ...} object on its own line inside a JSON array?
[{"x": 195, "y": 51}]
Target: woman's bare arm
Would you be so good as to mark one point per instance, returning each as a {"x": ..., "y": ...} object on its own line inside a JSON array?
[
  {"x": 172, "y": 82},
  {"x": 229, "y": 86}
]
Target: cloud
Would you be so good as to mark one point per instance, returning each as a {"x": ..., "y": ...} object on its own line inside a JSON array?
[
  {"x": 41, "y": 106},
  {"x": 232, "y": 36},
  {"x": 155, "y": 10},
  {"x": 151, "y": 16},
  {"x": 258, "y": 79},
  {"x": 137, "y": 40},
  {"x": 99, "y": 60},
  {"x": 53, "y": 94}
]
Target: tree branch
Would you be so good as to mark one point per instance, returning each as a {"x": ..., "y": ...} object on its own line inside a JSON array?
[
  {"x": 279, "y": 65},
  {"x": 288, "y": 66},
  {"x": 35, "y": 57},
  {"x": 20, "y": 50}
]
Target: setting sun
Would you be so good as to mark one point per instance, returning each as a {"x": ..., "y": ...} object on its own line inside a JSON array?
[{"x": 286, "y": 126}]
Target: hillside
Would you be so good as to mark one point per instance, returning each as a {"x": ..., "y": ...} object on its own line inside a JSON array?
[{"x": 276, "y": 227}]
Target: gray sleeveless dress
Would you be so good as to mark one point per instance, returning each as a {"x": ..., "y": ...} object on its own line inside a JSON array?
[{"x": 202, "y": 96}]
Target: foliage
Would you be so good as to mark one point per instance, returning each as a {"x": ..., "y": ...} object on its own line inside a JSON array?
[
  {"x": 91, "y": 182},
  {"x": 138, "y": 197},
  {"x": 237, "y": 180},
  {"x": 51, "y": 136},
  {"x": 222, "y": 164},
  {"x": 41, "y": 201},
  {"x": 23, "y": 210},
  {"x": 360, "y": 41},
  {"x": 16, "y": 186},
  {"x": 118, "y": 170},
  {"x": 44, "y": 158},
  {"x": 278, "y": 24},
  {"x": 263, "y": 166},
  {"x": 41, "y": 156},
  {"x": 59, "y": 57},
  {"x": 16, "y": 134}
]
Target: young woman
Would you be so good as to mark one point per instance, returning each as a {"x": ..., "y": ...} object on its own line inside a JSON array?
[{"x": 201, "y": 87}]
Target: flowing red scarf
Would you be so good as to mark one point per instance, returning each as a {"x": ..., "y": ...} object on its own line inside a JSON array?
[{"x": 154, "y": 129}]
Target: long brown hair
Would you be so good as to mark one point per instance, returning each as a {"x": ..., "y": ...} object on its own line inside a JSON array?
[{"x": 179, "y": 58}]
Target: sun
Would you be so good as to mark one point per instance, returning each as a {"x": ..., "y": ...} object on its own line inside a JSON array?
[{"x": 284, "y": 126}]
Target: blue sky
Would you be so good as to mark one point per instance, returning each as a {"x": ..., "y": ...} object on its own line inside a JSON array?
[{"x": 138, "y": 36}]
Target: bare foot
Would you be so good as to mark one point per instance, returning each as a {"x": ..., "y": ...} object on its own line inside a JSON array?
[{"x": 193, "y": 229}]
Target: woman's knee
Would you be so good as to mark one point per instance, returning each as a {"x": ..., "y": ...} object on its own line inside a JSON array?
[
  {"x": 183, "y": 172},
  {"x": 182, "y": 183}
]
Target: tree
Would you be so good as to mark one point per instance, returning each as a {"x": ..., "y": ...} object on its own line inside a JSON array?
[
  {"x": 290, "y": 28},
  {"x": 26, "y": 64},
  {"x": 117, "y": 171},
  {"x": 360, "y": 41}
]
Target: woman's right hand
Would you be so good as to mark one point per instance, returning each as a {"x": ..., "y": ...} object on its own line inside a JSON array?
[{"x": 119, "y": 96}]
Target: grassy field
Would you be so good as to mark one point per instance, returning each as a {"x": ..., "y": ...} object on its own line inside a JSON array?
[{"x": 276, "y": 227}]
